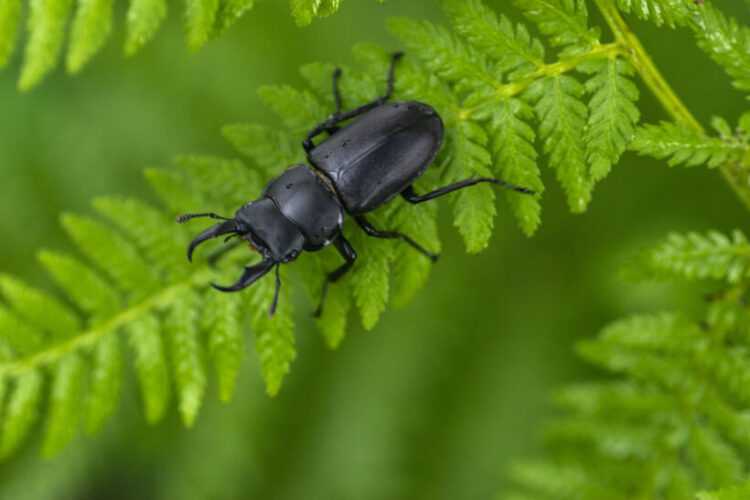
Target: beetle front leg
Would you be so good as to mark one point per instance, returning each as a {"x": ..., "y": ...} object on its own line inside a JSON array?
[
  {"x": 412, "y": 197},
  {"x": 350, "y": 255},
  {"x": 393, "y": 235}
]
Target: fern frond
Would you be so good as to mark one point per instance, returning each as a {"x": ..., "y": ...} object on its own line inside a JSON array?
[
  {"x": 697, "y": 256},
  {"x": 46, "y": 26},
  {"x": 673, "y": 420},
  {"x": 726, "y": 41},
  {"x": 613, "y": 114},
  {"x": 686, "y": 147},
  {"x": 10, "y": 19},
  {"x": 304, "y": 11},
  {"x": 91, "y": 25},
  {"x": 513, "y": 47},
  {"x": 562, "y": 121},
  {"x": 565, "y": 22},
  {"x": 584, "y": 129},
  {"x": 670, "y": 12}
]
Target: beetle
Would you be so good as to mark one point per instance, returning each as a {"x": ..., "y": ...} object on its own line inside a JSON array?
[{"x": 359, "y": 167}]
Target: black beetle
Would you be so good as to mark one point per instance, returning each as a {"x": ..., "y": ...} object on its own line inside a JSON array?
[{"x": 355, "y": 170}]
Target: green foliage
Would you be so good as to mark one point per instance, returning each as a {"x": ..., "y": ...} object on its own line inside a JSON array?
[
  {"x": 726, "y": 41},
  {"x": 504, "y": 94},
  {"x": 671, "y": 421},
  {"x": 670, "y": 12},
  {"x": 695, "y": 256},
  {"x": 682, "y": 146},
  {"x": 88, "y": 25},
  {"x": 739, "y": 492}
]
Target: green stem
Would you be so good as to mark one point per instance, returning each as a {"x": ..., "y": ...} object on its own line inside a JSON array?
[
  {"x": 505, "y": 90},
  {"x": 89, "y": 337},
  {"x": 737, "y": 178}
]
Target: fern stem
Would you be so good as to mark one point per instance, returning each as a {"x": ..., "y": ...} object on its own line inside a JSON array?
[
  {"x": 89, "y": 338},
  {"x": 663, "y": 91},
  {"x": 507, "y": 90}
]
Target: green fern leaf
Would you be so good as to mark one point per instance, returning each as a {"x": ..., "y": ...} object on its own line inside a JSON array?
[
  {"x": 143, "y": 20},
  {"x": 695, "y": 256},
  {"x": 274, "y": 336},
  {"x": 613, "y": 114},
  {"x": 201, "y": 17},
  {"x": 221, "y": 320},
  {"x": 181, "y": 328},
  {"x": 92, "y": 25},
  {"x": 512, "y": 47},
  {"x": 147, "y": 226},
  {"x": 515, "y": 154},
  {"x": 87, "y": 289},
  {"x": 670, "y": 12},
  {"x": 298, "y": 110},
  {"x": 565, "y": 22},
  {"x": 304, "y": 11},
  {"x": 105, "y": 382},
  {"x": 10, "y": 18},
  {"x": 21, "y": 337},
  {"x": 444, "y": 54},
  {"x": 67, "y": 384},
  {"x": 474, "y": 212},
  {"x": 686, "y": 147},
  {"x": 726, "y": 41},
  {"x": 21, "y": 411},
  {"x": 38, "y": 309},
  {"x": 230, "y": 11},
  {"x": 267, "y": 147},
  {"x": 411, "y": 270},
  {"x": 47, "y": 22},
  {"x": 150, "y": 366},
  {"x": 114, "y": 255},
  {"x": 562, "y": 121}
]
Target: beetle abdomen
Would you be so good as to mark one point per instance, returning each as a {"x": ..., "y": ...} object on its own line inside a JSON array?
[{"x": 380, "y": 154}]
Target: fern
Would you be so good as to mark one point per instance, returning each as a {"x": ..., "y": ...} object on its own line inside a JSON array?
[
  {"x": 89, "y": 24},
  {"x": 498, "y": 72},
  {"x": 671, "y": 422},
  {"x": 682, "y": 146},
  {"x": 670, "y": 12},
  {"x": 507, "y": 100}
]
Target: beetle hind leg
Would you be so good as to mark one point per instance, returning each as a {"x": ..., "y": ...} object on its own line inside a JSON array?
[
  {"x": 412, "y": 197},
  {"x": 394, "y": 235}
]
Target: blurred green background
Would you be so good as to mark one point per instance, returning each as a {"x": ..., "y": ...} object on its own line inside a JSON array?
[{"x": 437, "y": 400}]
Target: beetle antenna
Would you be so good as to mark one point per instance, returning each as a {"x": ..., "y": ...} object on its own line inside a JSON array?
[
  {"x": 275, "y": 302},
  {"x": 181, "y": 219}
]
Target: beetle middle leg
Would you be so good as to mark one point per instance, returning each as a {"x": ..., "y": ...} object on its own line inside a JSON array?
[
  {"x": 393, "y": 235},
  {"x": 350, "y": 255},
  {"x": 412, "y": 197},
  {"x": 338, "y": 116}
]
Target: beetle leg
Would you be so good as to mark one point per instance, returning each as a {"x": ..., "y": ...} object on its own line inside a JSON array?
[
  {"x": 338, "y": 116},
  {"x": 350, "y": 255},
  {"x": 249, "y": 276},
  {"x": 412, "y": 197},
  {"x": 393, "y": 235}
]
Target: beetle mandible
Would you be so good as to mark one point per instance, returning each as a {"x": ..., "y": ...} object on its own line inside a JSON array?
[{"x": 358, "y": 168}]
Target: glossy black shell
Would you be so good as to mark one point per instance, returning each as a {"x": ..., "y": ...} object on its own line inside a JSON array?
[
  {"x": 380, "y": 153},
  {"x": 303, "y": 198}
]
